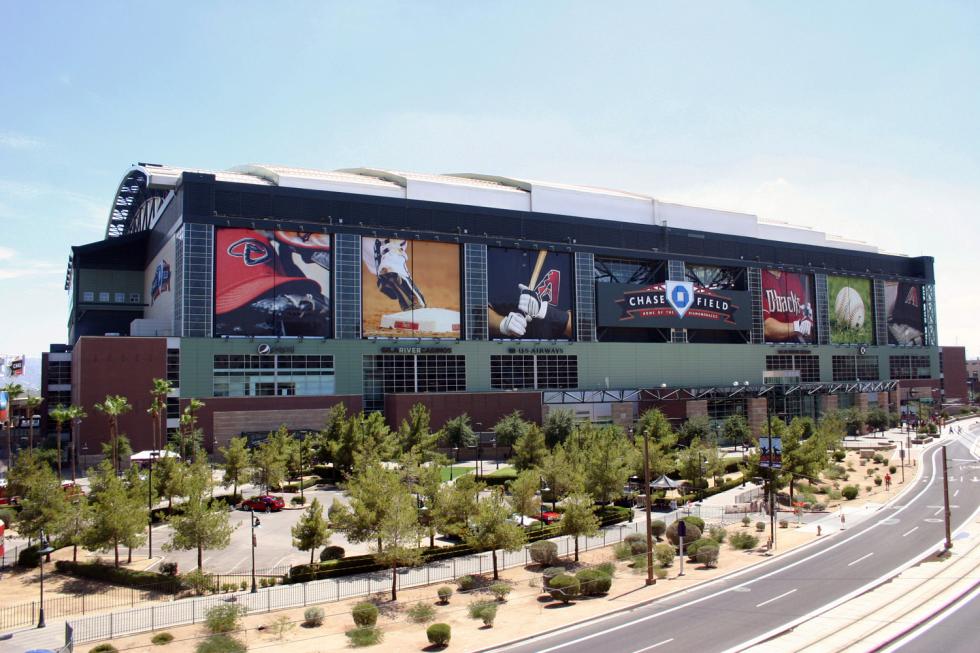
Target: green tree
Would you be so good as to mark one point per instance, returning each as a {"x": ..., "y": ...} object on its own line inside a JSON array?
[
  {"x": 270, "y": 458},
  {"x": 509, "y": 429},
  {"x": 579, "y": 518},
  {"x": 44, "y": 505},
  {"x": 691, "y": 462},
  {"x": 311, "y": 531},
  {"x": 458, "y": 433},
  {"x": 13, "y": 391},
  {"x": 524, "y": 499},
  {"x": 608, "y": 458},
  {"x": 695, "y": 427},
  {"x": 426, "y": 480},
  {"x": 369, "y": 490},
  {"x": 877, "y": 419},
  {"x": 200, "y": 523},
  {"x": 28, "y": 471},
  {"x": 237, "y": 463},
  {"x": 456, "y": 504},
  {"x": 360, "y": 435},
  {"x": 75, "y": 416},
  {"x": 529, "y": 450},
  {"x": 113, "y": 407},
  {"x": 661, "y": 442},
  {"x": 415, "y": 434},
  {"x": 120, "y": 456},
  {"x": 31, "y": 403},
  {"x": 139, "y": 493},
  {"x": 117, "y": 517},
  {"x": 189, "y": 434},
  {"x": 60, "y": 414},
  {"x": 736, "y": 430},
  {"x": 158, "y": 410},
  {"x": 491, "y": 528},
  {"x": 558, "y": 425},
  {"x": 169, "y": 477},
  {"x": 77, "y": 521},
  {"x": 399, "y": 534},
  {"x": 560, "y": 474}
]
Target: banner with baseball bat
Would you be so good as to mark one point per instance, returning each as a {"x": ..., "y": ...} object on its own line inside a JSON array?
[{"x": 530, "y": 294}]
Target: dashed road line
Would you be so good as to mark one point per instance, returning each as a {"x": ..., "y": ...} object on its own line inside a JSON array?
[
  {"x": 776, "y": 598},
  {"x": 864, "y": 557}
]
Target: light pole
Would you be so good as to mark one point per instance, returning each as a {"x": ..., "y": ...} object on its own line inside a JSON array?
[
  {"x": 254, "y": 521},
  {"x": 74, "y": 449},
  {"x": 149, "y": 505},
  {"x": 45, "y": 549},
  {"x": 646, "y": 490},
  {"x": 946, "y": 513},
  {"x": 479, "y": 446}
]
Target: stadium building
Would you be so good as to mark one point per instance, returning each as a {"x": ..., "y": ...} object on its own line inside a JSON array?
[{"x": 273, "y": 293}]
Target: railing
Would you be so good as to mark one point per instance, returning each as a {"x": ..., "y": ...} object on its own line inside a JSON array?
[{"x": 192, "y": 611}]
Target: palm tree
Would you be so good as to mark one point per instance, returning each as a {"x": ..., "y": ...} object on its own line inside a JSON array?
[
  {"x": 113, "y": 407},
  {"x": 13, "y": 391},
  {"x": 158, "y": 408},
  {"x": 60, "y": 415},
  {"x": 75, "y": 415},
  {"x": 32, "y": 404}
]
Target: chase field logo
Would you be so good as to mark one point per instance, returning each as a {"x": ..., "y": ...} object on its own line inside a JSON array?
[
  {"x": 161, "y": 280},
  {"x": 676, "y": 299},
  {"x": 680, "y": 295},
  {"x": 251, "y": 251}
]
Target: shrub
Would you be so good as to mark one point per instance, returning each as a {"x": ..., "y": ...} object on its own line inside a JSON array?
[
  {"x": 281, "y": 626},
  {"x": 693, "y": 533},
  {"x": 550, "y": 573},
  {"x": 438, "y": 634},
  {"x": 364, "y": 636},
  {"x": 760, "y": 526},
  {"x": 867, "y": 488},
  {"x": 298, "y": 501},
  {"x": 465, "y": 583},
  {"x": 243, "y": 585},
  {"x": 223, "y": 618},
  {"x": 839, "y": 455},
  {"x": 850, "y": 492},
  {"x": 104, "y": 648},
  {"x": 608, "y": 568},
  {"x": 708, "y": 556},
  {"x": 878, "y": 480},
  {"x": 892, "y": 469},
  {"x": 421, "y": 613},
  {"x": 639, "y": 564},
  {"x": 29, "y": 557},
  {"x": 783, "y": 523},
  {"x": 593, "y": 582},
  {"x": 168, "y": 568},
  {"x": 878, "y": 458},
  {"x": 220, "y": 644},
  {"x": 161, "y": 639},
  {"x": 835, "y": 495},
  {"x": 746, "y": 521},
  {"x": 564, "y": 588},
  {"x": 691, "y": 549},
  {"x": 500, "y": 591},
  {"x": 658, "y": 528},
  {"x": 544, "y": 553},
  {"x": 486, "y": 611},
  {"x": 365, "y": 614},
  {"x": 198, "y": 581},
  {"x": 694, "y": 521},
  {"x": 313, "y": 617},
  {"x": 331, "y": 553},
  {"x": 622, "y": 551},
  {"x": 660, "y": 572},
  {"x": 718, "y": 534},
  {"x": 743, "y": 541},
  {"x": 664, "y": 554},
  {"x": 444, "y": 593},
  {"x": 819, "y": 506},
  {"x": 636, "y": 542}
]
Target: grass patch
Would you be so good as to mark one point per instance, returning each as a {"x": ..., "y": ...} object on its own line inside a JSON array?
[{"x": 457, "y": 471}]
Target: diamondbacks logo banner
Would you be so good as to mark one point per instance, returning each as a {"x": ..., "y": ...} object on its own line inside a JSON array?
[{"x": 673, "y": 304}]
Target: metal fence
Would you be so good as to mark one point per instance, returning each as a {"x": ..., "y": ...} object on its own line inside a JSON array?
[
  {"x": 9, "y": 557},
  {"x": 192, "y": 611}
]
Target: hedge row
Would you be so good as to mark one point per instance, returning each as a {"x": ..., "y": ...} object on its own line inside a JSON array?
[
  {"x": 294, "y": 487},
  {"x": 120, "y": 576}
]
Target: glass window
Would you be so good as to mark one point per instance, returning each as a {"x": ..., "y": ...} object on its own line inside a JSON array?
[
  {"x": 533, "y": 372},
  {"x": 394, "y": 373},
  {"x": 104, "y": 297},
  {"x": 282, "y": 375},
  {"x": 119, "y": 297},
  {"x": 808, "y": 365},
  {"x": 88, "y": 296}
]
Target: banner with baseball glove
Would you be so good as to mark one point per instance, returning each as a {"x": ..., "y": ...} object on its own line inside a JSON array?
[
  {"x": 787, "y": 307},
  {"x": 271, "y": 283},
  {"x": 903, "y": 307},
  {"x": 851, "y": 310},
  {"x": 409, "y": 288},
  {"x": 529, "y": 294}
]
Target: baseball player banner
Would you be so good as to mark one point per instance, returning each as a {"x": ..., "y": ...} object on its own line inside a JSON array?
[
  {"x": 157, "y": 280},
  {"x": 271, "y": 283},
  {"x": 787, "y": 307},
  {"x": 529, "y": 293},
  {"x": 409, "y": 288},
  {"x": 903, "y": 308},
  {"x": 672, "y": 304},
  {"x": 770, "y": 452},
  {"x": 4, "y": 406},
  {"x": 851, "y": 310}
]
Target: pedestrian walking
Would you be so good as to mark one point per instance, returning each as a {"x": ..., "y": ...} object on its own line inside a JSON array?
[{"x": 842, "y": 519}]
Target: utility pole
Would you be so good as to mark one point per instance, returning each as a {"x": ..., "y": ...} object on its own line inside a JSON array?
[
  {"x": 946, "y": 513},
  {"x": 251, "y": 517},
  {"x": 646, "y": 480}
]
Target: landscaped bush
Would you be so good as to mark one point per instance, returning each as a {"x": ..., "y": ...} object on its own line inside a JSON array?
[
  {"x": 544, "y": 552},
  {"x": 746, "y": 521},
  {"x": 593, "y": 582},
  {"x": 636, "y": 542},
  {"x": 161, "y": 639},
  {"x": 29, "y": 557},
  {"x": 718, "y": 534},
  {"x": 743, "y": 541},
  {"x": 500, "y": 591},
  {"x": 878, "y": 481},
  {"x": 691, "y": 549},
  {"x": 298, "y": 501},
  {"x": 878, "y": 458},
  {"x": 658, "y": 528},
  {"x": 331, "y": 553},
  {"x": 819, "y": 506},
  {"x": 421, "y": 613},
  {"x": 313, "y": 617},
  {"x": 892, "y": 469},
  {"x": 444, "y": 593},
  {"x": 708, "y": 555},
  {"x": 550, "y": 573},
  {"x": 198, "y": 581},
  {"x": 622, "y": 551},
  {"x": 850, "y": 492},
  {"x": 364, "y": 636},
  {"x": 608, "y": 568},
  {"x": 564, "y": 588},
  {"x": 839, "y": 455},
  {"x": 439, "y": 634},
  {"x": 783, "y": 523},
  {"x": 760, "y": 526},
  {"x": 834, "y": 495},
  {"x": 465, "y": 583},
  {"x": 693, "y": 533},
  {"x": 694, "y": 521},
  {"x": 486, "y": 611},
  {"x": 223, "y": 618},
  {"x": 365, "y": 614},
  {"x": 168, "y": 568},
  {"x": 104, "y": 648},
  {"x": 220, "y": 644},
  {"x": 664, "y": 554},
  {"x": 660, "y": 572}
]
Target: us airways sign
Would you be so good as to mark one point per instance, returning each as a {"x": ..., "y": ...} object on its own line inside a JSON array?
[{"x": 672, "y": 304}]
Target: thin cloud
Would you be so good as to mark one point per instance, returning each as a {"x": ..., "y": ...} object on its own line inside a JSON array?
[
  {"x": 14, "y": 141},
  {"x": 14, "y": 266}
]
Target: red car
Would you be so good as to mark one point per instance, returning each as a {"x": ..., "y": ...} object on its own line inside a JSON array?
[
  {"x": 549, "y": 517},
  {"x": 266, "y": 503}
]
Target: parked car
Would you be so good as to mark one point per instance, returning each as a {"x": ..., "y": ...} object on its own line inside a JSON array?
[
  {"x": 549, "y": 517},
  {"x": 522, "y": 520},
  {"x": 264, "y": 503}
]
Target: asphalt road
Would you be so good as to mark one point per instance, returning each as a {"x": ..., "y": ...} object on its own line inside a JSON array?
[
  {"x": 732, "y": 613},
  {"x": 954, "y": 630}
]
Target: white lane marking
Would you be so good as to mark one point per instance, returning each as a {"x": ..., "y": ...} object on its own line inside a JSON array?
[
  {"x": 933, "y": 514},
  {"x": 666, "y": 641},
  {"x": 909, "y": 532},
  {"x": 954, "y": 494},
  {"x": 851, "y": 564},
  {"x": 775, "y": 598}
]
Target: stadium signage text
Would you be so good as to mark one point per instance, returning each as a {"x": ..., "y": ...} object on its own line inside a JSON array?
[
  {"x": 674, "y": 304},
  {"x": 416, "y": 350},
  {"x": 535, "y": 350}
]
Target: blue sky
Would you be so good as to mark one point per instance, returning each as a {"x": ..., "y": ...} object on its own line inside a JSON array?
[{"x": 859, "y": 119}]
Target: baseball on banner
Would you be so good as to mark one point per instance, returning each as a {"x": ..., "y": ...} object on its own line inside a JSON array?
[{"x": 849, "y": 308}]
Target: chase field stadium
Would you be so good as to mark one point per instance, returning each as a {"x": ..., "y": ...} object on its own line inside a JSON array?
[{"x": 274, "y": 293}]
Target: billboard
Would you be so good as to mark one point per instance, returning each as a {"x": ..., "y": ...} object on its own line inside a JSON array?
[
  {"x": 903, "y": 309},
  {"x": 4, "y": 406},
  {"x": 672, "y": 304},
  {"x": 770, "y": 452},
  {"x": 787, "y": 307},
  {"x": 158, "y": 284},
  {"x": 851, "y": 310},
  {"x": 529, "y": 293},
  {"x": 409, "y": 288},
  {"x": 271, "y": 283}
]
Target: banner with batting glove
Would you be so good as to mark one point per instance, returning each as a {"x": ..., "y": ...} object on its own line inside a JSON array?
[{"x": 529, "y": 294}]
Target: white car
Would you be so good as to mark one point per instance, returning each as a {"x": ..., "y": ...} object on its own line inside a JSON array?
[{"x": 522, "y": 520}]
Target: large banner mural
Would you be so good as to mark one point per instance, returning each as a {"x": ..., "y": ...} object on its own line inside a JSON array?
[
  {"x": 157, "y": 285},
  {"x": 903, "y": 307},
  {"x": 851, "y": 310},
  {"x": 529, "y": 294},
  {"x": 787, "y": 307},
  {"x": 409, "y": 288},
  {"x": 271, "y": 283},
  {"x": 672, "y": 304}
]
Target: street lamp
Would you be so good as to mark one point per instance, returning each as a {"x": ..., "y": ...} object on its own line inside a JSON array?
[
  {"x": 74, "y": 448},
  {"x": 255, "y": 523},
  {"x": 149, "y": 504},
  {"x": 45, "y": 549},
  {"x": 479, "y": 443}
]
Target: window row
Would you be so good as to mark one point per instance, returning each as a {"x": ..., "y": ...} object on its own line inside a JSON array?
[{"x": 89, "y": 296}]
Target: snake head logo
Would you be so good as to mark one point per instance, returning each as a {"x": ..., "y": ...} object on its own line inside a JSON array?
[{"x": 251, "y": 251}]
